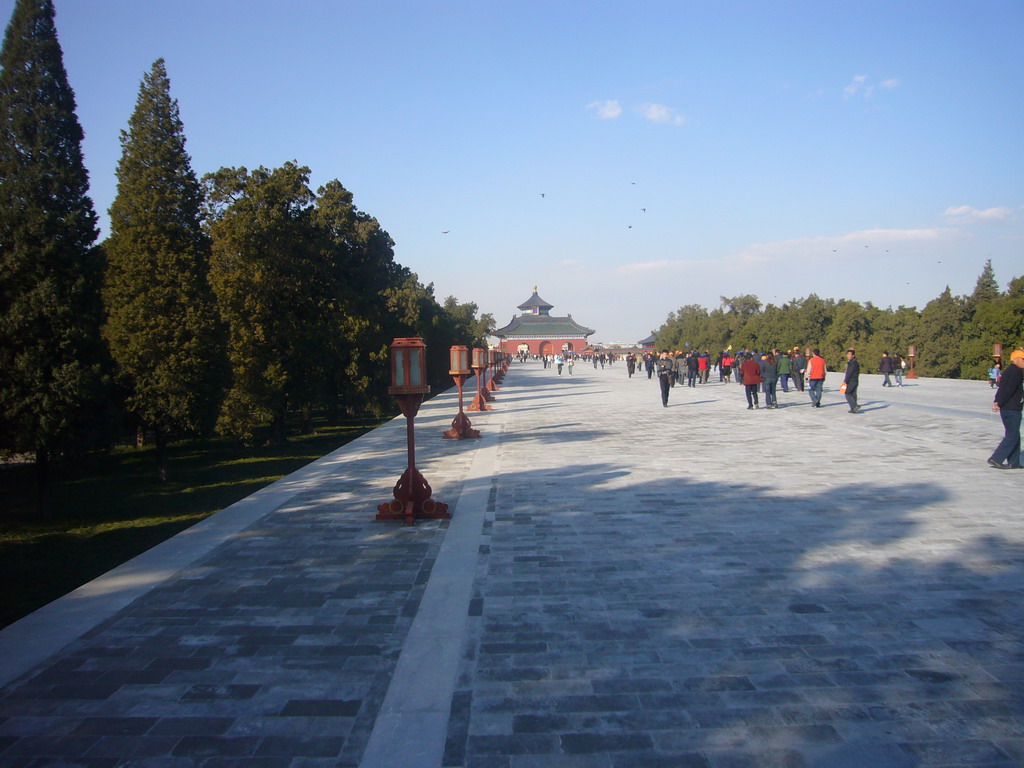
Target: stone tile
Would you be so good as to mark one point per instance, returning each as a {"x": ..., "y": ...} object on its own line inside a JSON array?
[{"x": 814, "y": 594}]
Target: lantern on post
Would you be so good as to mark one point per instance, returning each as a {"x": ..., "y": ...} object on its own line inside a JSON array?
[
  {"x": 409, "y": 385},
  {"x": 504, "y": 360},
  {"x": 492, "y": 363},
  {"x": 479, "y": 366},
  {"x": 460, "y": 371},
  {"x": 912, "y": 353},
  {"x": 997, "y": 352}
]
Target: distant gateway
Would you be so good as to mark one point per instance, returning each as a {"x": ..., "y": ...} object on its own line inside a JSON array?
[{"x": 538, "y": 333}]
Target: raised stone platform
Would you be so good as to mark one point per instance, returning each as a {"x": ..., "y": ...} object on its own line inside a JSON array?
[{"x": 621, "y": 585}]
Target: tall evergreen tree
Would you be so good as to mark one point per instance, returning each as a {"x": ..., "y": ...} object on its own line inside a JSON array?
[
  {"x": 162, "y": 323},
  {"x": 986, "y": 289},
  {"x": 942, "y": 322},
  {"x": 51, "y": 354},
  {"x": 269, "y": 279},
  {"x": 359, "y": 257}
]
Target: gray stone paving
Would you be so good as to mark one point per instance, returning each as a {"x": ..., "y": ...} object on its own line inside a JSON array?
[{"x": 698, "y": 585}]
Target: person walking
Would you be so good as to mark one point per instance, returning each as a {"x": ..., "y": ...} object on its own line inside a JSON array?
[
  {"x": 851, "y": 379},
  {"x": 799, "y": 369},
  {"x": 993, "y": 375},
  {"x": 569, "y": 362},
  {"x": 750, "y": 371},
  {"x": 899, "y": 365},
  {"x": 785, "y": 370},
  {"x": 666, "y": 371},
  {"x": 691, "y": 369},
  {"x": 816, "y": 377},
  {"x": 1008, "y": 403},
  {"x": 770, "y": 372},
  {"x": 886, "y": 368},
  {"x": 559, "y": 363}
]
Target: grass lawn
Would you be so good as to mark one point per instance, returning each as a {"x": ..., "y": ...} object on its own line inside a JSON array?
[{"x": 115, "y": 508}]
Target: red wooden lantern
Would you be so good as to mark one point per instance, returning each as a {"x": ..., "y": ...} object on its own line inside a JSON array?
[
  {"x": 459, "y": 361},
  {"x": 409, "y": 384},
  {"x": 912, "y": 353},
  {"x": 479, "y": 366},
  {"x": 459, "y": 370},
  {"x": 408, "y": 367}
]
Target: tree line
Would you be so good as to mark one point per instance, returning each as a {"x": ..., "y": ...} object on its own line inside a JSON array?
[
  {"x": 954, "y": 335},
  {"x": 217, "y": 304}
]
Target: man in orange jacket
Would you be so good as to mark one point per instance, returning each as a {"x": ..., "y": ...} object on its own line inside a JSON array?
[{"x": 816, "y": 378}]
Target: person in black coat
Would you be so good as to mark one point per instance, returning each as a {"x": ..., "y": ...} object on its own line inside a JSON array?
[
  {"x": 852, "y": 379},
  {"x": 799, "y": 367},
  {"x": 666, "y": 370},
  {"x": 1008, "y": 403}
]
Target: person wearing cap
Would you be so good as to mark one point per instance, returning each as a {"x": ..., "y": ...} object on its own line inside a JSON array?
[
  {"x": 1008, "y": 403},
  {"x": 799, "y": 367},
  {"x": 851, "y": 379}
]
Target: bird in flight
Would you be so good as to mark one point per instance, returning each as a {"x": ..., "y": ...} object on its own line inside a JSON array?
[
  {"x": 644, "y": 210},
  {"x": 445, "y": 231},
  {"x": 542, "y": 194}
]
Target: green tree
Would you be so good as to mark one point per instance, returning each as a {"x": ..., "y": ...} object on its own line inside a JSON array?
[
  {"x": 359, "y": 258},
  {"x": 1015, "y": 287},
  {"x": 811, "y": 319},
  {"x": 986, "y": 288},
  {"x": 272, "y": 290},
  {"x": 53, "y": 385},
  {"x": 467, "y": 328},
  {"x": 942, "y": 322},
  {"x": 162, "y": 324},
  {"x": 998, "y": 320},
  {"x": 849, "y": 328}
]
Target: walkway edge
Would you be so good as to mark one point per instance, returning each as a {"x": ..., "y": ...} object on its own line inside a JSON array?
[
  {"x": 34, "y": 638},
  {"x": 412, "y": 726}
]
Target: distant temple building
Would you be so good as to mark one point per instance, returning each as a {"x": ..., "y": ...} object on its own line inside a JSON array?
[{"x": 536, "y": 332}]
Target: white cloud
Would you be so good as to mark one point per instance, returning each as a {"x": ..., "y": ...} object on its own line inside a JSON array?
[
  {"x": 659, "y": 113},
  {"x": 649, "y": 266},
  {"x": 970, "y": 213},
  {"x": 860, "y": 85},
  {"x": 606, "y": 110},
  {"x": 855, "y": 85},
  {"x": 800, "y": 249}
]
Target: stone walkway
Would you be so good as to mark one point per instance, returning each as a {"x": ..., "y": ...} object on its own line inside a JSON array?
[{"x": 622, "y": 585}]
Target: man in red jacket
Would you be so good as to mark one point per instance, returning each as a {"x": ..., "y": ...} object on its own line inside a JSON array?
[{"x": 816, "y": 377}]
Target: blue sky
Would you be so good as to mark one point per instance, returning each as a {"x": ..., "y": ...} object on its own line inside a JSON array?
[{"x": 627, "y": 158}]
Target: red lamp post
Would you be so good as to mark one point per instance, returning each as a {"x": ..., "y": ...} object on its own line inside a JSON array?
[
  {"x": 492, "y": 363},
  {"x": 997, "y": 352},
  {"x": 409, "y": 385},
  {"x": 912, "y": 353},
  {"x": 502, "y": 366},
  {"x": 460, "y": 371},
  {"x": 479, "y": 366}
]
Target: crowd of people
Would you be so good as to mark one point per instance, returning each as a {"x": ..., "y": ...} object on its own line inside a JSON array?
[{"x": 764, "y": 373}]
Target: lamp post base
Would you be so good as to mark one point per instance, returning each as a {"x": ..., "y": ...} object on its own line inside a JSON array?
[
  {"x": 479, "y": 403},
  {"x": 413, "y": 501},
  {"x": 461, "y": 428}
]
